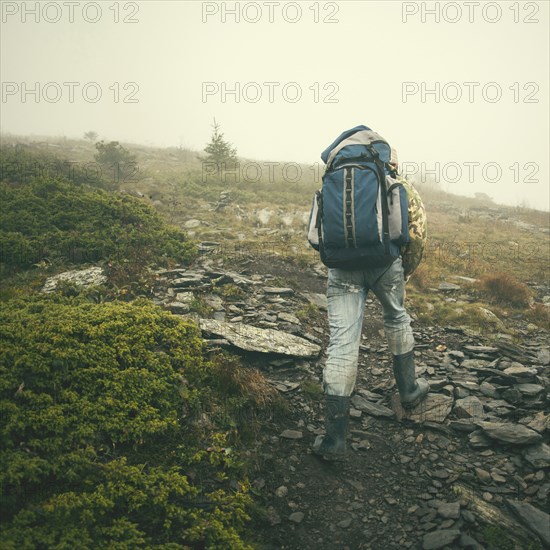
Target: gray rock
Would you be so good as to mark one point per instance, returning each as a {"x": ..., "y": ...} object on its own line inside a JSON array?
[
  {"x": 179, "y": 307},
  {"x": 512, "y": 395},
  {"x": 288, "y": 318},
  {"x": 469, "y": 407},
  {"x": 520, "y": 372},
  {"x": 497, "y": 404},
  {"x": 478, "y": 440},
  {"x": 447, "y": 286},
  {"x": 214, "y": 301},
  {"x": 529, "y": 390},
  {"x": 291, "y": 434},
  {"x": 278, "y": 290},
  {"x": 296, "y": 517},
  {"x": 466, "y": 541},
  {"x": 487, "y": 389},
  {"x": 463, "y": 425},
  {"x": 483, "y": 475},
  {"x": 481, "y": 349},
  {"x": 538, "y": 455},
  {"x": 491, "y": 318},
  {"x": 190, "y": 224},
  {"x": 509, "y": 433},
  {"x": 437, "y": 384},
  {"x": 320, "y": 300},
  {"x": 251, "y": 338},
  {"x": 449, "y": 510},
  {"x": 439, "y": 539},
  {"x": 470, "y": 385},
  {"x": 543, "y": 356},
  {"x": 345, "y": 523},
  {"x": 434, "y": 408},
  {"x": 273, "y": 517},
  {"x": 533, "y": 518},
  {"x": 540, "y": 423},
  {"x": 474, "y": 364},
  {"x": 92, "y": 276},
  {"x": 185, "y": 297},
  {"x": 361, "y": 404},
  {"x": 189, "y": 280}
]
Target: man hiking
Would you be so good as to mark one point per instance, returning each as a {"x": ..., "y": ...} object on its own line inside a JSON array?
[{"x": 369, "y": 225}]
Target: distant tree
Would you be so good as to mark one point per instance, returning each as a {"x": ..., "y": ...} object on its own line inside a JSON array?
[
  {"x": 118, "y": 162},
  {"x": 91, "y": 135},
  {"x": 484, "y": 198},
  {"x": 112, "y": 152},
  {"x": 219, "y": 151}
]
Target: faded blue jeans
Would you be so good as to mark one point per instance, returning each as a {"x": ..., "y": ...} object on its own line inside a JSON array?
[{"x": 346, "y": 293}]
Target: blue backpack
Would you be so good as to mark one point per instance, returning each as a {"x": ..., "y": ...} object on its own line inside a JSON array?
[{"x": 359, "y": 218}]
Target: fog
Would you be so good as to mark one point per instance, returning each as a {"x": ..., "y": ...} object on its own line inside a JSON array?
[{"x": 460, "y": 89}]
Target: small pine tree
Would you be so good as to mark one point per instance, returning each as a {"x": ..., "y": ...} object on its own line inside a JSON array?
[
  {"x": 118, "y": 163},
  {"x": 219, "y": 151}
]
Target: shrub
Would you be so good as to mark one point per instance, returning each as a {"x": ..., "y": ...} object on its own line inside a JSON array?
[
  {"x": 22, "y": 165},
  {"x": 102, "y": 430},
  {"x": 505, "y": 289},
  {"x": 62, "y": 221}
]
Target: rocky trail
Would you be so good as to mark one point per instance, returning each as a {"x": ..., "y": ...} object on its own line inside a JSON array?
[{"x": 468, "y": 468}]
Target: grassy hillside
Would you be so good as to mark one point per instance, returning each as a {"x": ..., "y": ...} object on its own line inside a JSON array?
[{"x": 117, "y": 428}]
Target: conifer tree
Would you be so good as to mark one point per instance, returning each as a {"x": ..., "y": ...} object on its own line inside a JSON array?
[{"x": 219, "y": 151}]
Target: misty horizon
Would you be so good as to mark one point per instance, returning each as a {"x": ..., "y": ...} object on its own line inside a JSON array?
[{"x": 460, "y": 92}]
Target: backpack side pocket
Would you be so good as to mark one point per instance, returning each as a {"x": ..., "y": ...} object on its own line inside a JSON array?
[{"x": 314, "y": 224}]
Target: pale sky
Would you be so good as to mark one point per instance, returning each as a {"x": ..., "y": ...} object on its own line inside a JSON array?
[{"x": 459, "y": 88}]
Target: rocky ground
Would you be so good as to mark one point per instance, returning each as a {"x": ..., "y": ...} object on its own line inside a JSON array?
[{"x": 469, "y": 468}]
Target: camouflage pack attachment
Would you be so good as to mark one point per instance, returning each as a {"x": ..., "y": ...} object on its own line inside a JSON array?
[{"x": 412, "y": 252}]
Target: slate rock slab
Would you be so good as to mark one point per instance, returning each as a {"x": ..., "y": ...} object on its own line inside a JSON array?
[
  {"x": 83, "y": 277},
  {"x": 292, "y": 434},
  {"x": 278, "y": 290},
  {"x": 469, "y": 407},
  {"x": 434, "y": 408},
  {"x": 250, "y": 338},
  {"x": 448, "y": 286},
  {"x": 530, "y": 390},
  {"x": 474, "y": 364},
  {"x": 439, "y": 539},
  {"x": 506, "y": 432},
  {"x": 520, "y": 372},
  {"x": 538, "y": 455},
  {"x": 533, "y": 518},
  {"x": 361, "y": 404},
  {"x": 449, "y": 510},
  {"x": 189, "y": 280}
]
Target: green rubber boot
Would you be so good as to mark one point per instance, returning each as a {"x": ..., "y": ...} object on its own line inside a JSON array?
[
  {"x": 332, "y": 446},
  {"x": 411, "y": 389}
]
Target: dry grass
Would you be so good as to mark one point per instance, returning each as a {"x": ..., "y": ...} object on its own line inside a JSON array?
[
  {"x": 247, "y": 383},
  {"x": 422, "y": 277},
  {"x": 504, "y": 289},
  {"x": 540, "y": 315}
]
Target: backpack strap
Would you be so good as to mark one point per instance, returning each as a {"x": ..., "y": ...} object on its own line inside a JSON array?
[
  {"x": 319, "y": 219},
  {"x": 384, "y": 197},
  {"x": 349, "y": 209}
]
